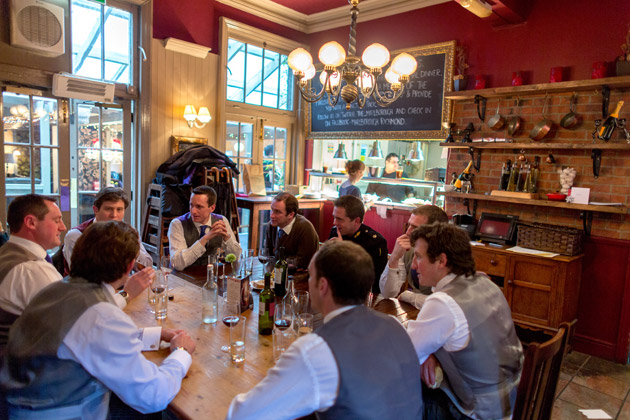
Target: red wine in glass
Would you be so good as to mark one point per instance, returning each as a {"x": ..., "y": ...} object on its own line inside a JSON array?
[
  {"x": 283, "y": 324},
  {"x": 230, "y": 320},
  {"x": 157, "y": 289}
]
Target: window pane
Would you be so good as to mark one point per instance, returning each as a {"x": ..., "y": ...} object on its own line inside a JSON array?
[
  {"x": 89, "y": 164},
  {"x": 86, "y": 38},
  {"x": 236, "y": 71},
  {"x": 286, "y": 85},
  {"x": 272, "y": 64},
  {"x": 281, "y": 143},
  {"x": 112, "y": 135},
  {"x": 16, "y": 118},
  {"x": 86, "y": 201},
  {"x": 239, "y": 139},
  {"x": 88, "y": 123},
  {"x": 253, "y": 75},
  {"x": 17, "y": 167},
  {"x": 118, "y": 24},
  {"x": 46, "y": 170},
  {"x": 45, "y": 121},
  {"x": 112, "y": 174}
]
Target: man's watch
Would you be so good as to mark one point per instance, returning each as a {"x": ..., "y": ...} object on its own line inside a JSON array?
[
  {"x": 125, "y": 295},
  {"x": 182, "y": 348}
]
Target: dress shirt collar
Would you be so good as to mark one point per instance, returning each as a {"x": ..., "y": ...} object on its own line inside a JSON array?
[
  {"x": 33, "y": 247},
  {"x": 109, "y": 288},
  {"x": 337, "y": 311},
  {"x": 287, "y": 228},
  {"x": 443, "y": 282}
]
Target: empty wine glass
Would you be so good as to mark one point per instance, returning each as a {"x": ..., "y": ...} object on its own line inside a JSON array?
[
  {"x": 166, "y": 265},
  {"x": 299, "y": 302},
  {"x": 230, "y": 312}
]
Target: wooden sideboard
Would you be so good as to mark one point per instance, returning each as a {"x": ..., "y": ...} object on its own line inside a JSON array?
[{"x": 542, "y": 292}]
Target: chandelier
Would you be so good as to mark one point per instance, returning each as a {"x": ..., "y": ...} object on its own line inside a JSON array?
[{"x": 359, "y": 74}]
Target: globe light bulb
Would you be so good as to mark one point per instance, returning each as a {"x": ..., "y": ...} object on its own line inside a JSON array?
[
  {"x": 309, "y": 73},
  {"x": 334, "y": 79},
  {"x": 332, "y": 54},
  {"x": 366, "y": 80},
  {"x": 391, "y": 76},
  {"x": 375, "y": 56},
  {"x": 300, "y": 60},
  {"x": 404, "y": 64}
]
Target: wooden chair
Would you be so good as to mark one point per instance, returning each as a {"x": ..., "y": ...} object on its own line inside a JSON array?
[{"x": 539, "y": 379}]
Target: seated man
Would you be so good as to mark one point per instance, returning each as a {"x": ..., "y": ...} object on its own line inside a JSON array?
[
  {"x": 290, "y": 230},
  {"x": 348, "y": 224},
  {"x": 199, "y": 233},
  {"x": 73, "y": 345},
  {"x": 110, "y": 204},
  {"x": 467, "y": 325},
  {"x": 398, "y": 269},
  {"x": 374, "y": 375}
]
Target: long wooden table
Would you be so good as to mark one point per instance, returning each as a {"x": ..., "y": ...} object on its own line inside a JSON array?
[{"x": 212, "y": 381}]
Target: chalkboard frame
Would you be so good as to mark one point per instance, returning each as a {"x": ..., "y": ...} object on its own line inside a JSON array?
[{"x": 447, "y": 48}]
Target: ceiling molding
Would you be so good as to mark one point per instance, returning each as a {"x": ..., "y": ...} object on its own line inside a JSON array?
[{"x": 329, "y": 19}]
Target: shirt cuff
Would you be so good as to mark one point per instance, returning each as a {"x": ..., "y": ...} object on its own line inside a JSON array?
[
  {"x": 121, "y": 302},
  {"x": 182, "y": 357},
  {"x": 150, "y": 338}
]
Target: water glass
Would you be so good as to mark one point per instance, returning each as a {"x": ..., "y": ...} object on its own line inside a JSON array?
[
  {"x": 248, "y": 261},
  {"x": 304, "y": 324},
  {"x": 230, "y": 313},
  {"x": 159, "y": 279},
  {"x": 282, "y": 340},
  {"x": 299, "y": 303},
  {"x": 160, "y": 291},
  {"x": 237, "y": 340}
]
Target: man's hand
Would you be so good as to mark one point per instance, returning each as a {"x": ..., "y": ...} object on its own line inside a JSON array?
[
  {"x": 428, "y": 370},
  {"x": 403, "y": 244},
  {"x": 217, "y": 229},
  {"x": 168, "y": 334},
  {"x": 336, "y": 238},
  {"x": 138, "y": 282},
  {"x": 182, "y": 339}
]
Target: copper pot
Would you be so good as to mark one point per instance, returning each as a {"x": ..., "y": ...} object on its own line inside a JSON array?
[
  {"x": 496, "y": 121},
  {"x": 514, "y": 122},
  {"x": 543, "y": 127},
  {"x": 571, "y": 119}
]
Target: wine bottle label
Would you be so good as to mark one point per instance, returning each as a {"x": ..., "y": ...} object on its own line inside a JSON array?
[
  {"x": 267, "y": 306},
  {"x": 278, "y": 275}
]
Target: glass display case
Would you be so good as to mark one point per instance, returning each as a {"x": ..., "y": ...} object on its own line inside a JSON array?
[{"x": 404, "y": 192}]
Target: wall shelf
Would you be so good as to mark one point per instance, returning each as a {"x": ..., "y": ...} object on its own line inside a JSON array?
[
  {"x": 541, "y": 89},
  {"x": 539, "y": 146}
]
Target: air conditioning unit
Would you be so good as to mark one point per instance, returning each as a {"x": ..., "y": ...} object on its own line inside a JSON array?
[
  {"x": 38, "y": 26},
  {"x": 68, "y": 86}
]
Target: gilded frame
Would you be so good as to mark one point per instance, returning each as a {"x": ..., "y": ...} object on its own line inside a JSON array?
[
  {"x": 447, "y": 48},
  {"x": 179, "y": 143}
]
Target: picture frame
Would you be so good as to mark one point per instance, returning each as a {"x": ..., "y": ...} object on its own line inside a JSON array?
[{"x": 179, "y": 143}]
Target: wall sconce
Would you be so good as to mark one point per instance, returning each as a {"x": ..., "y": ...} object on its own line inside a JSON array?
[
  {"x": 191, "y": 116},
  {"x": 415, "y": 153},
  {"x": 375, "y": 151},
  {"x": 341, "y": 152},
  {"x": 478, "y": 7}
]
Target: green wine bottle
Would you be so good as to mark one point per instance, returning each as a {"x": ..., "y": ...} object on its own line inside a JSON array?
[
  {"x": 280, "y": 274},
  {"x": 266, "y": 307}
]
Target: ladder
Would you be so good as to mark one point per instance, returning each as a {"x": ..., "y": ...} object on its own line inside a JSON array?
[{"x": 155, "y": 228}]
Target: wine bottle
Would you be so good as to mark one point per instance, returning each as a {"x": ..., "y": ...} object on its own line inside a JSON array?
[
  {"x": 266, "y": 305},
  {"x": 513, "y": 178},
  {"x": 505, "y": 175},
  {"x": 608, "y": 127},
  {"x": 527, "y": 178},
  {"x": 280, "y": 274},
  {"x": 463, "y": 176},
  {"x": 535, "y": 173}
]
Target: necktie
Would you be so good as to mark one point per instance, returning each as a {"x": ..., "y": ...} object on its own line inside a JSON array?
[
  {"x": 281, "y": 233},
  {"x": 203, "y": 231},
  {"x": 48, "y": 258}
]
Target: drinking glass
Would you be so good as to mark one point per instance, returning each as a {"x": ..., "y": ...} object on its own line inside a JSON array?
[
  {"x": 160, "y": 290},
  {"x": 248, "y": 261},
  {"x": 282, "y": 339},
  {"x": 304, "y": 324},
  {"x": 264, "y": 256},
  {"x": 166, "y": 266},
  {"x": 159, "y": 279},
  {"x": 291, "y": 265},
  {"x": 237, "y": 340},
  {"x": 283, "y": 314},
  {"x": 230, "y": 312},
  {"x": 299, "y": 303}
]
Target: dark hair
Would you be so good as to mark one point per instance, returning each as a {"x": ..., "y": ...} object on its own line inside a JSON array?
[
  {"x": 450, "y": 240},
  {"x": 352, "y": 205},
  {"x": 432, "y": 213},
  {"x": 24, "y": 205},
  {"x": 349, "y": 270},
  {"x": 209, "y": 192},
  {"x": 354, "y": 166},
  {"x": 391, "y": 155},
  {"x": 290, "y": 202},
  {"x": 121, "y": 246},
  {"x": 113, "y": 194}
]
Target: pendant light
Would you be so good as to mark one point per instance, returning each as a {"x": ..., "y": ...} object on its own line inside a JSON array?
[
  {"x": 375, "y": 151},
  {"x": 415, "y": 153},
  {"x": 341, "y": 152}
]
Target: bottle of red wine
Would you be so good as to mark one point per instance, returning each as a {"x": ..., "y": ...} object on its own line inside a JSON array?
[
  {"x": 608, "y": 127},
  {"x": 266, "y": 306},
  {"x": 280, "y": 274}
]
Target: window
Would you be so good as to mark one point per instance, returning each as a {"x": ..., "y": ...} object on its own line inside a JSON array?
[{"x": 101, "y": 42}]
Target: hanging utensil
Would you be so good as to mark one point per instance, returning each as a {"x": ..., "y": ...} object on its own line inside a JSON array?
[
  {"x": 571, "y": 119},
  {"x": 514, "y": 123},
  {"x": 496, "y": 121},
  {"x": 481, "y": 106},
  {"x": 544, "y": 126}
]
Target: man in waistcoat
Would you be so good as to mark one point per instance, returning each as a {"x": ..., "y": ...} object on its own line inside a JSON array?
[
  {"x": 199, "y": 233},
  {"x": 466, "y": 327},
  {"x": 348, "y": 214},
  {"x": 398, "y": 272},
  {"x": 35, "y": 224},
  {"x": 360, "y": 364},
  {"x": 290, "y": 230},
  {"x": 73, "y": 344},
  {"x": 109, "y": 204}
]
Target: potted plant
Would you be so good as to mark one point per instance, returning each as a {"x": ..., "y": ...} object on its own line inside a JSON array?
[
  {"x": 461, "y": 79},
  {"x": 623, "y": 61}
]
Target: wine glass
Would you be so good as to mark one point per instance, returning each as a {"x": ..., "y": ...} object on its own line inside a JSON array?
[
  {"x": 165, "y": 265},
  {"x": 230, "y": 312},
  {"x": 299, "y": 303},
  {"x": 264, "y": 256},
  {"x": 283, "y": 314}
]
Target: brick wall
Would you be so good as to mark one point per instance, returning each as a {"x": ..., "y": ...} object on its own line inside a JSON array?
[{"x": 613, "y": 184}]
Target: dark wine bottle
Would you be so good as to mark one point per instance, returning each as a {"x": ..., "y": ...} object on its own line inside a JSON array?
[
  {"x": 505, "y": 175},
  {"x": 608, "y": 127},
  {"x": 266, "y": 306},
  {"x": 280, "y": 274}
]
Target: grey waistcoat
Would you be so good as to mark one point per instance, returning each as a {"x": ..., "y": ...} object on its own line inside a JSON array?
[
  {"x": 38, "y": 384},
  {"x": 11, "y": 255},
  {"x": 379, "y": 372},
  {"x": 191, "y": 234},
  {"x": 482, "y": 378}
]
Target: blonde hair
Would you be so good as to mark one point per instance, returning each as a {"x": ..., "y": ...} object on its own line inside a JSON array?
[{"x": 353, "y": 167}]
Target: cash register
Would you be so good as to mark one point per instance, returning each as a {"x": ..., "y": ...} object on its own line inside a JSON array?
[{"x": 499, "y": 229}]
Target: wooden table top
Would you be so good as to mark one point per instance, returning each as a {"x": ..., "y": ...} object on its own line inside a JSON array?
[{"x": 212, "y": 381}]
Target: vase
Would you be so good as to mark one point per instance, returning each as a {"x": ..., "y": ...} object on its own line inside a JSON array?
[{"x": 460, "y": 84}]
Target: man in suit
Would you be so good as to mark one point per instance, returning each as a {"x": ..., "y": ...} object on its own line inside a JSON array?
[{"x": 291, "y": 230}]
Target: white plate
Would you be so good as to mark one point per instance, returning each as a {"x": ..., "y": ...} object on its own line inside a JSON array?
[{"x": 258, "y": 284}]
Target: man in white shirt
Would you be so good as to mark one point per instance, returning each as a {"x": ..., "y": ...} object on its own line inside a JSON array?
[
  {"x": 398, "y": 271},
  {"x": 73, "y": 344},
  {"x": 109, "y": 204},
  {"x": 199, "y": 233},
  {"x": 466, "y": 327},
  {"x": 374, "y": 375}
]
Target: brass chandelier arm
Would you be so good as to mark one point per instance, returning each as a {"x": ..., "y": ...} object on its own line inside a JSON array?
[{"x": 387, "y": 98}]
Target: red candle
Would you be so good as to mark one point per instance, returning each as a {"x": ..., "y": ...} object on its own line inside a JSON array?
[
  {"x": 517, "y": 79},
  {"x": 556, "y": 75},
  {"x": 480, "y": 82},
  {"x": 599, "y": 70}
]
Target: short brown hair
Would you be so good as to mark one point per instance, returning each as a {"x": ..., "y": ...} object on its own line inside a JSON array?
[
  {"x": 22, "y": 206},
  {"x": 354, "y": 166},
  {"x": 290, "y": 202},
  {"x": 91, "y": 263},
  {"x": 209, "y": 192},
  {"x": 352, "y": 205},
  {"x": 450, "y": 240},
  {"x": 113, "y": 194},
  {"x": 432, "y": 213},
  {"x": 349, "y": 270}
]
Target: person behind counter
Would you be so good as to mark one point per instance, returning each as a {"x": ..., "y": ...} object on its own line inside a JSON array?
[
  {"x": 396, "y": 193},
  {"x": 355, "y": 169}
]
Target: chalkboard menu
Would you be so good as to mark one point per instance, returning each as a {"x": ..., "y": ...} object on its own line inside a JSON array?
[{"x": 417, "y": 114}]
